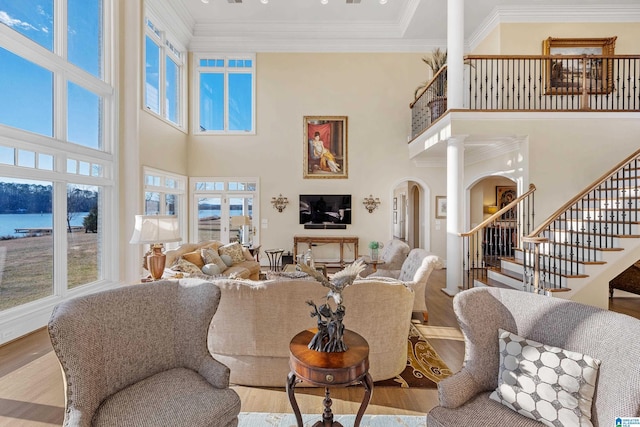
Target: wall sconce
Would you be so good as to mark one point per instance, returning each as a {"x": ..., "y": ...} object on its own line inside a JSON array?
[
  {"x": 490, "y": 209},
  {"x": 279, "y": 202},
  {"x": 370, "y": 203}
]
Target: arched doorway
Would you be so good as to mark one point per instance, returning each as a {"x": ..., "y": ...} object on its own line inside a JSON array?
[{"x": 409, "y": 219}]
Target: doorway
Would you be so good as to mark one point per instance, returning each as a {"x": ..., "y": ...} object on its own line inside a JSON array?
[{"x": 409, "y": 218}]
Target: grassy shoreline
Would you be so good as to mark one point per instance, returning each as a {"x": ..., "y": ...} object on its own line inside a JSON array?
[{"x": 26, "y": 266}]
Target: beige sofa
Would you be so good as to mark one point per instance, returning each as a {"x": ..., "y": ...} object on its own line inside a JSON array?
[
  {"x": 247, "y": 269},
  {"x": 255, "y": 321}
]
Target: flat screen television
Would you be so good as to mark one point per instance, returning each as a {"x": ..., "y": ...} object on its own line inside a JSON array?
[{"x": 325, "y": 209}]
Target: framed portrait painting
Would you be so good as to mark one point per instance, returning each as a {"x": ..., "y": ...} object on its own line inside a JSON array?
[
  {"x": 504, "y": 196},
  {"x": 441, "y": 206},
  {"x": 325, "y": 147},
  {"x": 579, "y": 62}
]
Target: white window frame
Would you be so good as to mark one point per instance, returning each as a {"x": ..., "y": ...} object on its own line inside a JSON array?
[
  {"x": 169, "y": 46},
  {"x": 225, "y": 194},
  {"x": 226, "y": 70},
  {"x": 28, "y": 317},
  {"x": 180, "y": 191}
]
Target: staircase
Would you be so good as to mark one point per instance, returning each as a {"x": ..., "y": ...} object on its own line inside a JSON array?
[{"x": 578, "y": 249}]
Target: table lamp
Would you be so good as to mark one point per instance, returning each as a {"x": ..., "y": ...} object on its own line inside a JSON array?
[
  {"x": 155, "y": 230},
  {"x": 242, "y": 221}
]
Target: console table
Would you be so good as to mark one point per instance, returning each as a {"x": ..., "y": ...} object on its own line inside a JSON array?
[{"x": 310, "y": 240}]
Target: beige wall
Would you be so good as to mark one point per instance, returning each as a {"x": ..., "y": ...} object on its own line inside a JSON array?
[
  {"x": 560, "y": 155},
  {"x": 162, "y": 146},
  {"x": 373, "y": 91},
  {"x": 564, "y": 155},
  {"x": 524, "y": 39}
]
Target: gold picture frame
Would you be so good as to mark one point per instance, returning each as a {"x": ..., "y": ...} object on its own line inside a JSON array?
[
  {"x": 506, "y": 194},
  {"x": 565, "y": 75},
  {"x": 325, "y": 147}
]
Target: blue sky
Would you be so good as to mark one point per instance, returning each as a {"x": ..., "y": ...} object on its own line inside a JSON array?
[{"x": 27, "y": 88}]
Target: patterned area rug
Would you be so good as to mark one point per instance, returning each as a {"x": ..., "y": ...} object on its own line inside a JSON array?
[
  {"x": 424, "y": 367},
  {"x": 262, "y": 419}
]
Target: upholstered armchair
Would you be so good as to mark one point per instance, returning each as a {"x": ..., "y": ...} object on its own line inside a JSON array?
[
  {"x": 609, "y": 337},
  {"x": 415, "y": 272},
  {"x": 393, "y": 253},
  {"x": 137, "y": 356}
]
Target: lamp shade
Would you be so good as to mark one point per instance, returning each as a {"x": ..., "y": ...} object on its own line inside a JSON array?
[
  {"x": 155, "y": 229},
  {"x": 240, "y": 220},
  {"x": 490, "y": 209}
]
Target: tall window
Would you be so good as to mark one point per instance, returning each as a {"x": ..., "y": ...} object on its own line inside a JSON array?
[
  {"x": 57, "y": 174},
  {"x": 164, "y": 74},
  {"x": 165, "y": 194},
  {"x": 226, "y": 94},
  {"x": 216, "y": 201}
]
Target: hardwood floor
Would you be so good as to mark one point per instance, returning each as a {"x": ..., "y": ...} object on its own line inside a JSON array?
[{"x": 32, "y": 391}]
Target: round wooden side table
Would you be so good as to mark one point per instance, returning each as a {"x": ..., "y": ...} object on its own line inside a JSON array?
[{"x": 326, "y": 369}]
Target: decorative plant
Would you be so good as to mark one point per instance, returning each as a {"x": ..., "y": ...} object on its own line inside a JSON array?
[
  {"x": 375, "y": 245},
  {"x": 436, "y": 61}
]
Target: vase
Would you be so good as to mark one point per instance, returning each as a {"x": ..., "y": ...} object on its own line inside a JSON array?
[{"x": 374, "y": 254}]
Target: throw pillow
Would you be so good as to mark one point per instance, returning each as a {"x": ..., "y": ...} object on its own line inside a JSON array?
[
  {"x": 194, "y": 258},
  {"x": 227, "y": 260},
  {"x": 186, "y": 267},
  {"x": 247, "y": 254},
  {"x": 545, "y": 383},
  {"x": 210, "y": 256},
  {"x": 211, "y": 269},
  {"x": 234, "y": 250}
]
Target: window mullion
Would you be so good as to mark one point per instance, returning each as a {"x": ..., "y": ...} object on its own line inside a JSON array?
[
  {"x": 226, "y": 97},
  {"x": 60, "y": 238},
  {"x": 60, "y": 29},
  {"x": 61, "y": 104}
]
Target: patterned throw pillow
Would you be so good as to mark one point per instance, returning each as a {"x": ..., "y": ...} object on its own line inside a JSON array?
[
  {"x": 545, "y": 383},
  {"x": 194, "y": 258},
  {"x": 186, "y": 267},
  {"x": 210, "y": 256},
  {"x": 234, "y": 250}
]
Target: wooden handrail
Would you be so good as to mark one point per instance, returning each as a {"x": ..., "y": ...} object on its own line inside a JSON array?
[
  {"x": 497, "y": 215},
  {"x": 582, "y": 194},
  {"x": 433, "y": 79},
  {"x": 551, "y": 57}
]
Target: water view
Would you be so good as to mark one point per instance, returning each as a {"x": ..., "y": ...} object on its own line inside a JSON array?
[{"x": 9, "y": 222}]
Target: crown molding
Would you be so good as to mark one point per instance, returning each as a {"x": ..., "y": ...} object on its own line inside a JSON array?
[
  {"x": 296, "y": 45},
  {"x": 407, "y": 15},
  {"x": 547, "y": 13},
  {"x": 303, "y": 29}
]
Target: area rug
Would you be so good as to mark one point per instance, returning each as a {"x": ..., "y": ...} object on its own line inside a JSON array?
[
  {"x": 263, "y": 419},
  {"x": 424, "y": 367}
]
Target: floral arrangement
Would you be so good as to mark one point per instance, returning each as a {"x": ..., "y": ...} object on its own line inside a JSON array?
[{"x": 375, "y": 245}]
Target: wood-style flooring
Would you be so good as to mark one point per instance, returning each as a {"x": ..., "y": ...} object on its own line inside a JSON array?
[{"x": 32, "y": 391}]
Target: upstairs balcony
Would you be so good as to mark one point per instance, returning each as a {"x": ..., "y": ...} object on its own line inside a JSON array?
[{"x": 535, "y": 83}]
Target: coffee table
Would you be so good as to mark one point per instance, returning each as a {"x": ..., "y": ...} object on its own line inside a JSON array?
[{"x": 326, "y": 369}]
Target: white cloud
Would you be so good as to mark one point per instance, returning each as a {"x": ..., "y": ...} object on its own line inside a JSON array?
[{"x": 11, "y": 22}]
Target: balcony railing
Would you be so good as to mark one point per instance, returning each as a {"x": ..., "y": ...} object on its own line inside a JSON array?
[{"x": 538, "y": 83}]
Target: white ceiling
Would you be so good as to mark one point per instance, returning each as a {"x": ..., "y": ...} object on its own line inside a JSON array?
[{"x": 398, "y": 25}]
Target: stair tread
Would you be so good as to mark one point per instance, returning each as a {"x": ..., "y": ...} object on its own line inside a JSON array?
[
  {"x": 493, "y": 283},
  {"x": 567, "y": 276},
  {"x": 621, "y": 236},
  {"x": 579, "y": 261},
  {"x": 588, "y": 247}
]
